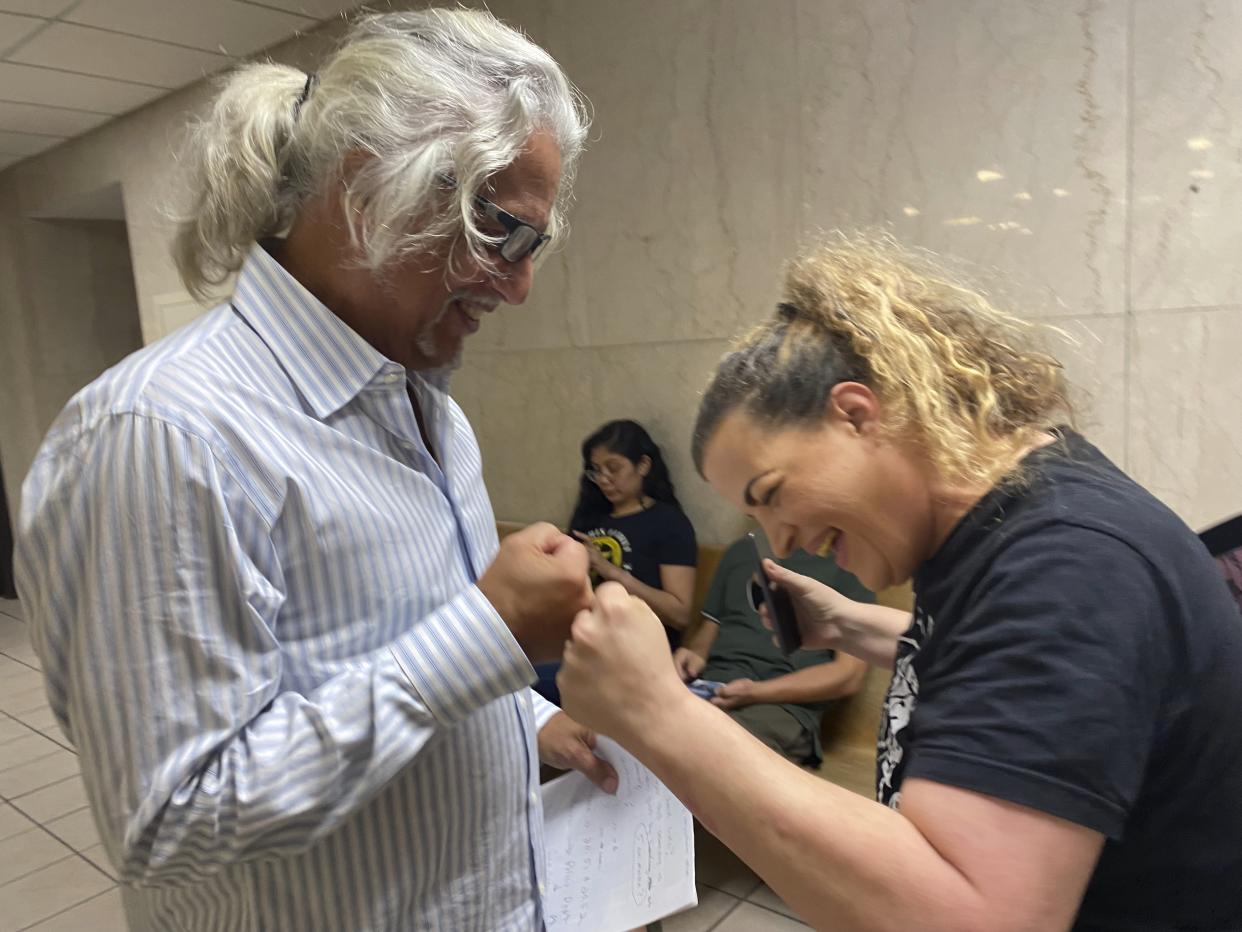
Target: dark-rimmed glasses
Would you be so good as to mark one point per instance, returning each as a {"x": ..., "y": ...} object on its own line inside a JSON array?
[
  {"x": 607, "y": 472},
  {"x": 520, "y": 240}
]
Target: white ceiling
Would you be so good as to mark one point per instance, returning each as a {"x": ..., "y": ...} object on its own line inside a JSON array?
[{"x": 67, "y": 66}]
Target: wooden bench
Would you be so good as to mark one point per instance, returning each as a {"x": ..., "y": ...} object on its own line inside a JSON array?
[{"x": 850, "y": 725}]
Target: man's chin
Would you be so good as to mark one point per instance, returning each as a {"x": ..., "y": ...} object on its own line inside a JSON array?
[
  {"x": 439, "y": 357},
  {"x": 444, "y": 368},
  {"x": 438, "y": 365}
]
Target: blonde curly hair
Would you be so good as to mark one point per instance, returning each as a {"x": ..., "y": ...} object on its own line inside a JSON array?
[{"x": 966, "y": 381}]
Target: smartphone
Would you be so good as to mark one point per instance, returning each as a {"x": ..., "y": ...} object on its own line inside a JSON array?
[
  {"x": 704, "y": 689},
  {"x": 780, "y": 606}
]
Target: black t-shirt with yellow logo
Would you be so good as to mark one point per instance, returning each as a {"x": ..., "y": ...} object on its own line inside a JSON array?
[{"x": 660, "y": 535}]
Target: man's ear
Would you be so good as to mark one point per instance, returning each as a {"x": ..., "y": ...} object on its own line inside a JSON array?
[{"x": 354, "y": 160}]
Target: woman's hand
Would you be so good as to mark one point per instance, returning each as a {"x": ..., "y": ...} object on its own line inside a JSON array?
[
  {"x": 831, "y": 621},
  {"x": 688, "y": 664},
  {"x": 601, "y": 566},
  {"x": 822, "y": 611},
  {"x": 615, "y": 676}
]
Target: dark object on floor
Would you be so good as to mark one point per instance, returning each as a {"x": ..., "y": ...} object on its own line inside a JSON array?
[
  {"x": 1224, "y": 542},
  {"x": 7, "y": 588}
]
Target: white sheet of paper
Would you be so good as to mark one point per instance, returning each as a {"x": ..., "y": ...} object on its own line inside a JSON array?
[{"x": 615, "y": 862}]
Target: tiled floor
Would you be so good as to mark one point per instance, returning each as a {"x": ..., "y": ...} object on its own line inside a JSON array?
[
  {"x": 53, "y": 875},
  {"x": 731, "y": 897}
]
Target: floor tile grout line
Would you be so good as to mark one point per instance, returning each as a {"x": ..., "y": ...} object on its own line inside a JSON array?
[
  {"x": 55, "y": 818},
  {"x": 28, "y": 873},
  {"x": 14, "y": 803},
  {"x": 32, "y": 760},
  {"x": 82, "y": 855},
  {"x": 47, "y": 827},
  {"x": 37, "y": 731},
  {"x": 732, "y": 909},
  {"x": 743, "y": 896},
  {"x": 19, "y": 660},
  {"x": 96, "y": 866},
  {"x": 34, "y": 729},
  {"x": 24, "y": 814},
  {"x": 747, "y": 899},
  {"x": 35, "y": 925},
  {"x": 16, "y": 718},
  {"x": 52, "y": 738},
  {"x": 46, "y": 830},
  {"x": 13, "y": 799},
  {"x": 775, "y": 912},
  {"x": 7, "y": 741},
  {"x": 17, "y": 713}
]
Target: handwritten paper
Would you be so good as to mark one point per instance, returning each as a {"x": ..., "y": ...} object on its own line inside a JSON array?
[{"x": 615, "y": 862}]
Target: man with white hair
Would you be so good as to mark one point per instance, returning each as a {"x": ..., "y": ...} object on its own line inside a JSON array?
[{"x": 258, "y": 557}]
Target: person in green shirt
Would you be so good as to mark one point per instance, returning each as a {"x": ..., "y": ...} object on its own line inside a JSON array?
[{"x": 778, "y": 699}]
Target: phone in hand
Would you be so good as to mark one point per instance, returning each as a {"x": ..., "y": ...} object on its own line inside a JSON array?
[
  {"x": 705, "y": 689},
  {"x": 779, "y": 605}
]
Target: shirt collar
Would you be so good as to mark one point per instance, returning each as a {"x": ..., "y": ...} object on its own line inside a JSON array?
[{"x": 327, "y": 361}]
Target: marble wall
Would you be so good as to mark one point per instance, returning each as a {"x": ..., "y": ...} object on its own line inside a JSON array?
[
  {"x": 43, "y": 320},
  {"x": 1080, "y": 156}
]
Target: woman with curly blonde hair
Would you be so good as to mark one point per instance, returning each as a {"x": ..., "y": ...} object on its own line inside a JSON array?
[{"x": 1051, "y": 752}]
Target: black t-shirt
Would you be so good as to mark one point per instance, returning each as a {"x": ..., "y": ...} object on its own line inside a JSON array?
[
  {"x": 1075, "y": 650},
  {"x": 641, "y": 543}
]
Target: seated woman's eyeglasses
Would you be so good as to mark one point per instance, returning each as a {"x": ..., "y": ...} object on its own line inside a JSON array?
[{"x": 607, "y": 472}]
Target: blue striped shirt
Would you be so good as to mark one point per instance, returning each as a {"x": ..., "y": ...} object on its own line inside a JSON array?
[{"x": 253, "y": 591}]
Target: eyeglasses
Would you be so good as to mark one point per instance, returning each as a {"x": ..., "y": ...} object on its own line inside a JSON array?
[
  {"x": 606, "y": 472},
  {"x": 521, "y": 239}
]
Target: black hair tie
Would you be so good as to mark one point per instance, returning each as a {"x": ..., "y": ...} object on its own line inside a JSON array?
[{"x": 311, "y": 80}]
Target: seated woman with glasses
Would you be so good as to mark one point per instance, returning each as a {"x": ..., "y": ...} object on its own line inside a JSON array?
[{"x": 635, "y": 532}]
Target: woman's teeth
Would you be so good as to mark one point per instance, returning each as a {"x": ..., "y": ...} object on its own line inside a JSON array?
[{"x": 826, "y": 547}]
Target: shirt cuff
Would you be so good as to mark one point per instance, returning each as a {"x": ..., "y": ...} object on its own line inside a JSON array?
[
  {"x": 543, "y": 709},
  {"x": 461, "y": 657}
]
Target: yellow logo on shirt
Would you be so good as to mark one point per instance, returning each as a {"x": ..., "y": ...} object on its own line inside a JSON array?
[{"x": 610, "y": 547}]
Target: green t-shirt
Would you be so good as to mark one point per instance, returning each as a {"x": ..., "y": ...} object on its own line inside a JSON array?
[{"x": 743, "y": 649}]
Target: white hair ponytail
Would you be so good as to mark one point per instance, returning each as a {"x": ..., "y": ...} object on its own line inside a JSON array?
[
  {"x": 427, "y": 95},
  {"x": 237, "y": 161}
]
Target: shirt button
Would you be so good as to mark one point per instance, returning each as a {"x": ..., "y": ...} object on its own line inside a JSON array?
[
  {"x": 534, "y": 798},
  {"x": 543, "y": 891}
]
